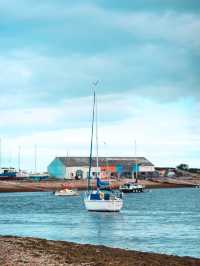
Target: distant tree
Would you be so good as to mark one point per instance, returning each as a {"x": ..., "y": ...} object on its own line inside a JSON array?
[{"x": 183, "y": 166}]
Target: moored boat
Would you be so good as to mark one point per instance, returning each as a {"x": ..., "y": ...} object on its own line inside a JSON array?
[
  {"x": 66, "y": 192},
  {"x": 7, "y": 173},
  {"x": 97, "y": 200},
  {"x": 132, "y": 188}
]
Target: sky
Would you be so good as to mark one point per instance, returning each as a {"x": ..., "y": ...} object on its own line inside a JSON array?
[{"x": 146, "y": 56}]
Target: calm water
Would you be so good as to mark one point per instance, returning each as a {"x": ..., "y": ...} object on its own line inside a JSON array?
[{"x": 163, "y": 220}]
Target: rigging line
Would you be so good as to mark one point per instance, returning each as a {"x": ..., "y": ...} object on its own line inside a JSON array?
[{"x": 91, "y": 145}]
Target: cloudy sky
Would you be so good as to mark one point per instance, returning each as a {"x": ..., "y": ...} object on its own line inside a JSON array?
[{"x": 145, "y": 53}]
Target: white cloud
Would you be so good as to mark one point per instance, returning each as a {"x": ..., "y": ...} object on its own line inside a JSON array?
[
  {"x": 29, "y": 117},
  {"x": 179, "y": 27},
  {"x": 171, "y": 26},
  {"x": 31, "y": 79},
  {"x": 162, "y": 132}
]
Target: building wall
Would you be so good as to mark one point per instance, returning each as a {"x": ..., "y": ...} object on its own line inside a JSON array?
[
  {"x": 57, "y": 169},
  {"x": 105, "y": 171},
  {"x": 146, "y": 168},
  {"x": 72, "y": 172}
]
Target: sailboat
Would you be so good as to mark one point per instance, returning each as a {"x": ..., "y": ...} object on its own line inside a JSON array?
[
  {"x": 35, "y": 175},
  {"x": 100, "y": 200},
  {"x": 133, "y": 186}
]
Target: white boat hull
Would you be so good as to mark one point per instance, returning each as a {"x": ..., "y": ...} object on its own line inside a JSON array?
[
  {"x": 103, "y": 205},
  {"x": 130, "y": 188},
  {"x": 71, "y": 193}
]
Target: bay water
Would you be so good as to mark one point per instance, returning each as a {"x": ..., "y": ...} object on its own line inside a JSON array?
[{"x": 162, "y": 220}]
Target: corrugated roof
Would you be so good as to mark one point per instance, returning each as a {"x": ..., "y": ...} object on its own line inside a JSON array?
[{"x": 84, "y": 161}]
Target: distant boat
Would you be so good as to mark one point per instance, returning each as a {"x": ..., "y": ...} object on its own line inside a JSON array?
[
  {"x": 22, "y": 174},
  {"x": 66, "y": 192},
  {"x": 131, "y": 187},
  {"x": 7, "y": 172},
  {"x": 12, "y": 173},
  {"x": 98, "y": 200},
  {"x": 38, "y": 176}
]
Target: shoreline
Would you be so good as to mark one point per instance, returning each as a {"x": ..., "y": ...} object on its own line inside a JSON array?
[
  {"x": 50, "y": 186},
  {"x": 35, "y": 251}
]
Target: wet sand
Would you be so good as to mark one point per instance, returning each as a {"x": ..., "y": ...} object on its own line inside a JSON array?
[
  {"x": 33, "y": 251},
  {"x": 28, "y": 186}
]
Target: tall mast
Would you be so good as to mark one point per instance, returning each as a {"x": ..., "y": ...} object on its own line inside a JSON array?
[
  {"x": 136, "y": 168},
  {"x": 91, "y": 144},
  {"x": 19, "y": 158},
  {"x": 97, "y": 145},
  {"x": 106, "y": 159},
  {"x": 0, "y": 153},
  {"x": 66, "y": 169},
  {"x": 35, "y": 157}
]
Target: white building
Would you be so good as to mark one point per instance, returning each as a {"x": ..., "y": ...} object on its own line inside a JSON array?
[{"x": 77, "y": 167}]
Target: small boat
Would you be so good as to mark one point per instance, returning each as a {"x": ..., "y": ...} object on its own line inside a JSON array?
[
  {"x": 98, "y": 200},
  {"x": 38, "y": 176},
  {"x": 22, "y": 174},
  {"x": 132, "y": 187},
  {"x": 7, "y": 173},
  {"x": 66, "y": 192}
]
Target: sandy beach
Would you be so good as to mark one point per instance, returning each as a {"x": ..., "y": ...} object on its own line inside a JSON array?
[
  {"x": 33, "y": 251},
  {"x": 28, "y": 186}
]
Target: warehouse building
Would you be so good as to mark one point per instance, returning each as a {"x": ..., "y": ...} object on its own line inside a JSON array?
[{"x": 109, "y": 167}]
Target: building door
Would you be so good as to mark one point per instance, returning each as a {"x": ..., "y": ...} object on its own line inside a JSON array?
[{"x": 79, "y": 174}]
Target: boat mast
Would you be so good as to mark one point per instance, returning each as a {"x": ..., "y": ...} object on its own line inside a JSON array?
[
  {"x": 91, "y": 145},
  {"x": 97, "y": 146},
  {"x": 35, "y": 155},
  {"x": 19, "y": 158},
  {"x": 0, "y": 154},
  {"x": 136, "y": 165},
  {"x": 66, "y": 169}
]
